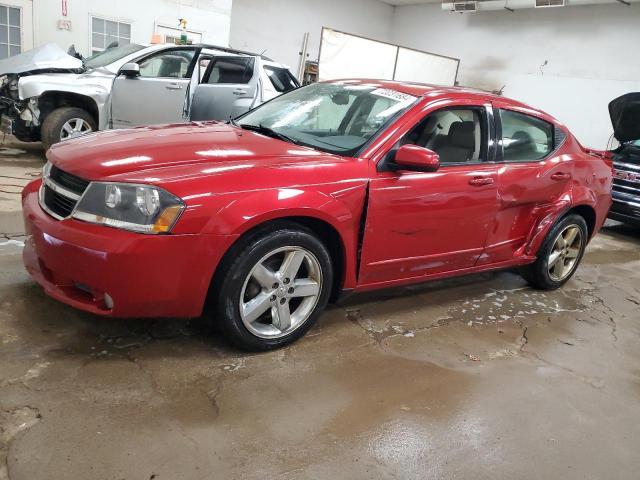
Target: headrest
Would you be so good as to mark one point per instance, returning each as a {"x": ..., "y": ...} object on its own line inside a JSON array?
[
  {"x": 521, "y": 141},
  {"x": 463, "y": 135},
  {"x": 170, "y": 67}
]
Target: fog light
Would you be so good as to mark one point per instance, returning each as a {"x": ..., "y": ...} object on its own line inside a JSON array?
[{"x": 108, "y": 301}]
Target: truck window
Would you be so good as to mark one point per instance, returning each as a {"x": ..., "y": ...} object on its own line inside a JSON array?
[
  {"x": 281, "y": 78},
  {"x": 230, "y": 70}
]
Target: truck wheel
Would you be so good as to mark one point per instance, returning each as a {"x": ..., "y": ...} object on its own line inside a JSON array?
[
  {"x": 559, "y": 255},
  {"x": 64, "y": 123},
  {"x": 273, "y": 287}
]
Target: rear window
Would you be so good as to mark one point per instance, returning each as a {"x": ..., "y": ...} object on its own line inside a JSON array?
[
  {"x": 525, "y": 138},
  {"x": 281, "y": 78},
  {"x": 231, "y": 70}
]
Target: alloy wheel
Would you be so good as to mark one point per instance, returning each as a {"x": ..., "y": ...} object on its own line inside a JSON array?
[
  {"x": 280, "y": 292},
  {"x": 565, "y": 252},
  {"x": 74, "y": 127}
]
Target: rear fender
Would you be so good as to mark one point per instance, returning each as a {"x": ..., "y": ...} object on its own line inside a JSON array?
[{"x": 549, "y": 214}]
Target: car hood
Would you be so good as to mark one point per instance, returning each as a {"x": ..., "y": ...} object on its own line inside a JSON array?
[
  {"x": 48, "y": 57},
  {"x": 625, "y": 117},
  {"x": 166, "y": 153}
]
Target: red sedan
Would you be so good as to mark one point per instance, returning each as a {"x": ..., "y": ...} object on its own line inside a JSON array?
[{"x": 335, "y": 187}]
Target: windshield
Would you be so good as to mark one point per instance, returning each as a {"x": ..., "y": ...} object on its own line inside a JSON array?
[
  {"x": 333, "y": 117},
  {"x": 111, "y": 55}
]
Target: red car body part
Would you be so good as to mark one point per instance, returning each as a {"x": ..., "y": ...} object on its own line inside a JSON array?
[{"x": 386, "y": 227}]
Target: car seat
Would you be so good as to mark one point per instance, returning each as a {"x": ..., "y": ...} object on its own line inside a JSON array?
[
  {"x": 170, "y": 67},
  {"x": 460, "y": 144}
]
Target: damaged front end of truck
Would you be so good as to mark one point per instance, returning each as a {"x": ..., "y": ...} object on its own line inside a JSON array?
[{"x": 20, "y": 112}]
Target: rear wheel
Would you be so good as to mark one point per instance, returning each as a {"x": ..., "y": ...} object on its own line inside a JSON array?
[
  {"x": 273, "y": 289},
  {"x": 65, "y": 123},
  {"x": 559, "y": 255}
]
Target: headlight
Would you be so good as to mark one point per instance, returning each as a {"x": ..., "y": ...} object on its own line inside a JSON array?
[{"x": 139, "y": 208}]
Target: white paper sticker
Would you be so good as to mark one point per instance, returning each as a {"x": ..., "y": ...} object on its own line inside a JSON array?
[{"x": 393, "y": 94}]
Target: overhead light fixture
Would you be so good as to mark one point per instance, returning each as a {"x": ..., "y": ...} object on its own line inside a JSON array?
[
  {"x": 462, "y": 7},
  {"x": 549, "y": 3}
]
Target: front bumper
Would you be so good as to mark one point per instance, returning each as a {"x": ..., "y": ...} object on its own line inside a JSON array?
[{"x": 117, "y": 273}]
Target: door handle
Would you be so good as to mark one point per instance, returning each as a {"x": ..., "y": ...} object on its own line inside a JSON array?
[
  {"x": 480, "y": 181},
  {"x": 174, "y": 86},
  {"x": 239, "y": 92},
  {"x": 560, "y": 176}
]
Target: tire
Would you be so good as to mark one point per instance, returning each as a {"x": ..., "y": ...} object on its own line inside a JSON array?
[
  {"x": 544, "y": 276},
  {"x": 52, "y": 128},
  {"x": 255, "y": 277}
]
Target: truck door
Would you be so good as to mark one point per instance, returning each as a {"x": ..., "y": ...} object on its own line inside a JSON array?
[
  {"x": 228, "y": 88},
  {"x": 158, "y": 94}
]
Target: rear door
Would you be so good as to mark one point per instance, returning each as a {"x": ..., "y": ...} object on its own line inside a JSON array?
[
  {"x": 228, "y": 88},
  {"x": 158, "y": 94},
  {"x": 532, "y": 178}
]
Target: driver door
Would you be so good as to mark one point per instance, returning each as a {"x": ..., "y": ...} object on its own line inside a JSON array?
[
  {"x": 158, "y": 94},
  {"x": 423, "y": 224}
]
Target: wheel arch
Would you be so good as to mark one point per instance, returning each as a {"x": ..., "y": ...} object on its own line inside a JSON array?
[
  {"x": 588, "y": 213},
  {"x": 324, "y": 230},
  {"x": 53, "y": 99},
  {"x": 556, "y": 213}
]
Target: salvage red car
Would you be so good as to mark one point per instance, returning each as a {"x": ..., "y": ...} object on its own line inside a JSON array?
[{"x": 341, "y": 186}]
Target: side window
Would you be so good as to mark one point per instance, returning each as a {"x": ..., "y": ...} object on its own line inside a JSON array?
[
  {"x": 281, "y": 78},
  {"x": 168, "y": 64},
  {"x": 456, "y": 135},
  {"x": 525, "y": 138},
  {"x": 231, "y": 70}
]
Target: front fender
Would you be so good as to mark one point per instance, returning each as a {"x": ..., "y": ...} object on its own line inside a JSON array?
[
  {"x": 97, "y": 89},
  {"x": 341, "y": 211}
]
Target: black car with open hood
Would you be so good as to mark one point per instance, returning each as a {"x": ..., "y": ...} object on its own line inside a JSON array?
[{"x": 625, "y": 118}]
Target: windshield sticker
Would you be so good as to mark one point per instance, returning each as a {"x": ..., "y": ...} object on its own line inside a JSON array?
[{"x": 392, "y": 94}]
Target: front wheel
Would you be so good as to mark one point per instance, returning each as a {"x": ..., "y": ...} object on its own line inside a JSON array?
[
  {"x": 559, "y": 255},
  {"x": 65, "y": 123},
  {"x": 273, "y": 288}
]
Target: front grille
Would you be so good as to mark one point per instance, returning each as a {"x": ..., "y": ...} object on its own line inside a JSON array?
[
  {"x": 58, "y": 203},
  {"x": 60, "y": 192},
  {"x": 71, "y": 182},
  {"x": 629, "y": 185}
]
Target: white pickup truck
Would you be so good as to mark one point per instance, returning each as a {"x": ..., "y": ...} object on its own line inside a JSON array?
[{"x": 47, "y": 95}]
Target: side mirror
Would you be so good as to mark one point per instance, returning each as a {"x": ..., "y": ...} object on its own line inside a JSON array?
[
  {"x": 413, "y": 157},
  {"x": 130, "y": 69}
]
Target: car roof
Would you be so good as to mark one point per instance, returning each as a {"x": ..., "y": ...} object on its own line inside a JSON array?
[{"x": 435, "y": 91}]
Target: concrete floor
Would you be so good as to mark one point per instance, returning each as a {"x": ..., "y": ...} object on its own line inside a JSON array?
[{"x": 479, "y": 377}]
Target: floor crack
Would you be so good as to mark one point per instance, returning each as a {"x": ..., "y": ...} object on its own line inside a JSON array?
[{"x": 13, "y": 421}]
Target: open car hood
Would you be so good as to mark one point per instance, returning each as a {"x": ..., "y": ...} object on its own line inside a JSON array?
[
  {"x": 625, "y": 117},
  {"x": 46, "y": 57}
]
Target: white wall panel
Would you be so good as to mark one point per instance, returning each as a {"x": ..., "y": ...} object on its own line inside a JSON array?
[
  {"x": 211, "y": 18},
  {"x": 347, "y": 56},
  {"x": 415, "y": 66},
  {"x": 277, "y": 26},
  {"x": 590, "y": 53},
  {"x": 343, "y": 55}
]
